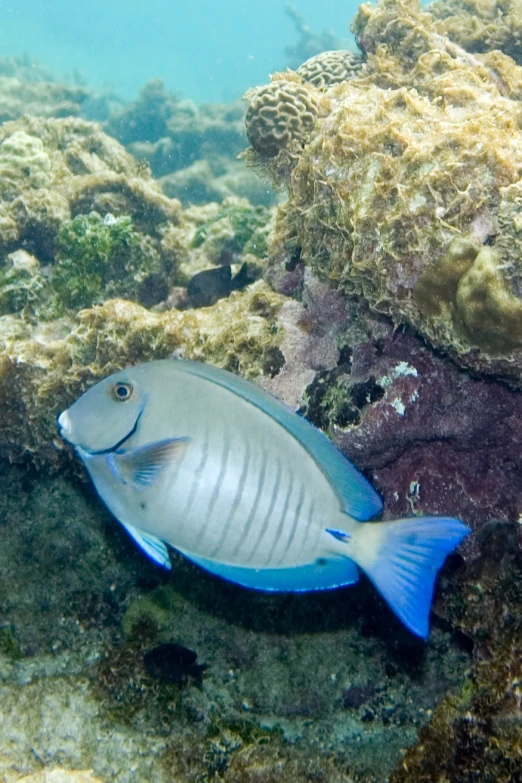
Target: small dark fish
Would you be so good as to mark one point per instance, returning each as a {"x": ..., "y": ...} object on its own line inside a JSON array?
[
  {"x": 357, "y": 695},
  {"x": 206, "y": 287},
  {"x": 173, "y": 663}
]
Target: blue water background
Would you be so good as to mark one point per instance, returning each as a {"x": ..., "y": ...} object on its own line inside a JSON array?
[{"x": 208, "y": 50}]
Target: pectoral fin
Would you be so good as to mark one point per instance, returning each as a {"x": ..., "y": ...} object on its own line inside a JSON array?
[{"x": 140, "y": 467}]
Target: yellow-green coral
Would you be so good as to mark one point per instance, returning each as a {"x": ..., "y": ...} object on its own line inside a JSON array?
[
  {"x": 489, "y": 308},
  {"x": 420, "y": 152},
  {"x": 482, "y": 25}
]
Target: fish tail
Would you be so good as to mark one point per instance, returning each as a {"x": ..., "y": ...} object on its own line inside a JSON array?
[{"x": 402, "y": 558}]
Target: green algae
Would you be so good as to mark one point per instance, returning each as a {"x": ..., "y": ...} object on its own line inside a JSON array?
[
  {"x": 9, "y": 645},
  {"x": 246, "y": 227},
  {"x": 99, "y": 257}
]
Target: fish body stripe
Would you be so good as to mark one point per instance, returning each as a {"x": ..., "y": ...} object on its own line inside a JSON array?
[
  {"x": 306, "y": 535},
  {"x": 281, "y": 520},
  {"x": 218, "y": 483},
  {"x": 297, "y": 514},
  {"x": 268, "y": 515},
  {"x": 253, "y": 511},
  {"x": 236, "y": 502},
  {"x": 199, "y": 472}
]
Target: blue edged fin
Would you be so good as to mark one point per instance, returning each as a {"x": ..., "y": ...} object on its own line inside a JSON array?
[
  {"x": 96, "y": 466},
  {"x": 404, "y": 563},
  {"x": 141, "y": 466},
  {"x": 356, "y": 495},
  {"x": 325, "y": 574},
  {"x": 151, "y": 545}
]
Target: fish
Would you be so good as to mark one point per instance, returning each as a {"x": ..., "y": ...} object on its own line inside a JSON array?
[
  {"x": 172, "y": 662},
  {"x": 207, "y": 287},
  {"x": 194, "y": 457}
]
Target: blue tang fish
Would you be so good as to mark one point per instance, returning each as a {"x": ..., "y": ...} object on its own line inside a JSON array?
[{"x": 195, "y": 457}]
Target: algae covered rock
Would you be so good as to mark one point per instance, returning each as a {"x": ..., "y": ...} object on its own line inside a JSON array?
[
  {"x": 39, "y": 98},
  {"x": 60, "y": 776},
  {"x": 408, "y": 189},
  {"x": 96, "y": 256},
  {"x": 53, "y": 170},
  {"x": 482, "y": 26},
  {"x": 43, "y": 367}
]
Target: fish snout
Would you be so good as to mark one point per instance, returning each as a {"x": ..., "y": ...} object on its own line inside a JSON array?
[{"x": 64, "y": 425}]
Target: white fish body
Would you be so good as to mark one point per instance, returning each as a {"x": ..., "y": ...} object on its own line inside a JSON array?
[{"x": 217, "y": 468}]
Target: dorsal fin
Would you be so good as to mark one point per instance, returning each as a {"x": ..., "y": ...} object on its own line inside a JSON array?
[{"x": 356, "y": 495}]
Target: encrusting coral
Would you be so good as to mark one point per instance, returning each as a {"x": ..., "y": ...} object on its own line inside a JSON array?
[{"x": 417, "y": 155}]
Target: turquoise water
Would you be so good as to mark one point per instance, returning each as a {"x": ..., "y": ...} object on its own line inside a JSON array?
[{"x": 206, "y": 50}]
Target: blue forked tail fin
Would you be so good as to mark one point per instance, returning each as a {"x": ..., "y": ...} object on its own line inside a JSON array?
[{"x": 402, "y": 559}]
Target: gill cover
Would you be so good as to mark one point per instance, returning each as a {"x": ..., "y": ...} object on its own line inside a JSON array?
[{"x": 102, "y": 418}]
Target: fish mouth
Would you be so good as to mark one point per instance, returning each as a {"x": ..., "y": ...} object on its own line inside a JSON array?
[{"x": 64, "y": 425}]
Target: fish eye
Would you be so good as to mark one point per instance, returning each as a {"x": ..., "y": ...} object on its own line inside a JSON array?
[{"x": 122, "y": 392}]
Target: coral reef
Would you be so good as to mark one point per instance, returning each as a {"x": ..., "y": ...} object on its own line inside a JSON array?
[
  {"x": 403, "y": 182},
  {"x": 191, "y": 148},
  {"x": 405, "y": 186},
  {"x": 481, "y": 27},
  {"x": 26, "y": 87},
  {"x": 40, "y": 99},
  {"x": 81, "y": 222},
  {"x": 54, "y": 170}
]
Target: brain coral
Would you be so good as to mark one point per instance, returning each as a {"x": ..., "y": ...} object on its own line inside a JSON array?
[
  {"x": 409, "y": 191},
  {"x": 328, "y": 68},
  {"x": 280, "y": 117}
]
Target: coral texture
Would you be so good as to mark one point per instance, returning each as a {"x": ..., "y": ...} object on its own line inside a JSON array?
[
  {"x": 54, "y": 170},
  {"x": 329, "y": 68},
  {"x": 283, "y": 112},
  {"x": 482, "y": 26},
  {"x": 408, "y": 190}
]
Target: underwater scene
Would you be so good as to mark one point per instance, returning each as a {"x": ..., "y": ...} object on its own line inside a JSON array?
[{"x": 261, "y": 392}]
